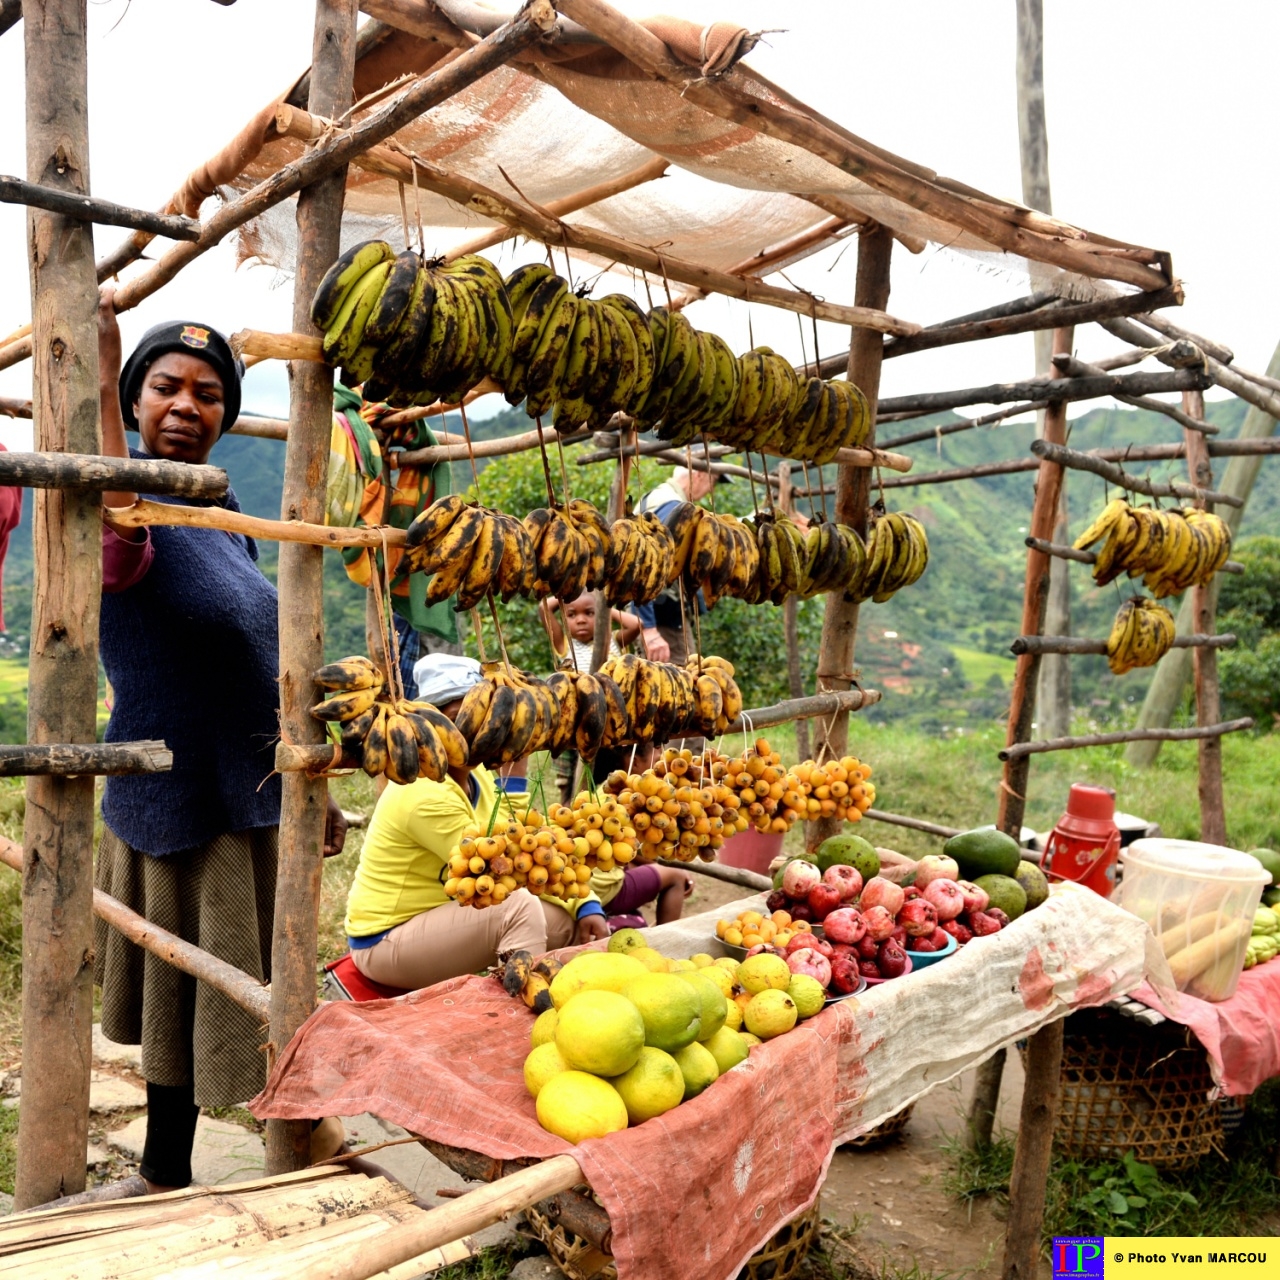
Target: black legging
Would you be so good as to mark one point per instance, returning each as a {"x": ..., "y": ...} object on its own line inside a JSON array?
[{"x": 171, "y": 1133}]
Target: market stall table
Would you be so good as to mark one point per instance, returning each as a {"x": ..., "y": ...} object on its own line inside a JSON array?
[{"x": 751, "y": 1152}]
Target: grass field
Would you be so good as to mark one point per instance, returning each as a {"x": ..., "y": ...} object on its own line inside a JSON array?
[
  {"x": 13, "y": 676},
  {"x": 979, "y": 667}
]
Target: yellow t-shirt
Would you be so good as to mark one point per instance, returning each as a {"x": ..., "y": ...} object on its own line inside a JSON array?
[
  {"x": 413, "y": 831},
  {"x": 605, "y": 884}
]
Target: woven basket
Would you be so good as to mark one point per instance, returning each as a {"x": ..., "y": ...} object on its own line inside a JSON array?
[
  {"x": 1127, "y": 1087},
  {"x": 884, "y": 1132},
  {"x": 579, "y": 1259}
]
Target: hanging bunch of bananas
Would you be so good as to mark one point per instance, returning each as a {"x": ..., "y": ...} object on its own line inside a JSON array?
[
  {"x": 572, "y": 545},
  {"x": 413, "y": 332},
  {"x": 661, "y": 701},
  {"x": 530, "y": 980},
  {"x": 404, "y": 739},
  {"x": 805, "y": 563},
  {"x": 507, "y": 715},
  {"x": 641, "y": 562},
  {"x": 1140, "y": 636},
  {"x": 713, "y": 552},
  {"x": 897, "y": 554},
  {"x": 1169, "y": 550}
]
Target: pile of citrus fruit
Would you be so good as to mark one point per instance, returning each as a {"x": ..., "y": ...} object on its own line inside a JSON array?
[
  {"x": 632, "y": 1034},
  {"x": 752, "y": 928}
]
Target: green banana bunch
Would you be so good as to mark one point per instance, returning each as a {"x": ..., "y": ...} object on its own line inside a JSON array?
[
  {"x": 897, "y": 554},
  {"x": 1141, "y": 635}
]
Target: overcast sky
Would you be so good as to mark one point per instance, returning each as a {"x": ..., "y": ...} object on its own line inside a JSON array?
[{"x": 1159, "y": 123}]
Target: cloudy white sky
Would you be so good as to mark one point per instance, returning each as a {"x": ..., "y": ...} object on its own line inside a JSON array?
[{"x": 1160, "y": 123}]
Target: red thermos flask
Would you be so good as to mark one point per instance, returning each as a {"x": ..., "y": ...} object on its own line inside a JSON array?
[{"x": 1084, "y": 845}]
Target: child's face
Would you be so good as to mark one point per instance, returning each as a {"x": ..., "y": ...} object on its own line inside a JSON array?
[{"x": 580, "y": 617}]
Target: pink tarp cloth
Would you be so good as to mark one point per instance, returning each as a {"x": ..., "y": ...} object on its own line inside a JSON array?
[
  {"x": 1240, "y": 1035},
  {"x": 752, "y": 1151}
]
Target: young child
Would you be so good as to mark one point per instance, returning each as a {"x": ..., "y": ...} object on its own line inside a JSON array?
[{"x": 580, "y": 615}]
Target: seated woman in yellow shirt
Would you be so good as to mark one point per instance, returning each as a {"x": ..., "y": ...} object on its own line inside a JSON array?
[{"x": 402, "y": 928}]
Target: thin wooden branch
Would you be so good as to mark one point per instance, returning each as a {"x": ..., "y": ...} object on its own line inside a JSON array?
[
  {"x": 1272, "y": 384},
  {"x": 964, "y": 424},
  {"x": 98, "y": 473},
  {"x": 743, "y": 878},
  {"x": 144, "y": 514},
  {"x": 277, "y": 346},
  {"x": 260, "y": 428},
  {"x": 91, "y": 209},
  {"x": 486, "y": 386},
  {"x": 1170, "y": 330},
  {"x": 1127, "y": 735},
  {"x": 914, "y": 824},
  {"x": 1078, "y": 461},
  {"x": 1055, "y": 390},
  {"x": 344, "y": 145},
  {"x": 1091, "y": 557},
  {"x": 71, "y": 760},
  {"x": 1074, "y": 368},
  {"x": 234, "y": 983},
  {"x": 499, "y": 448},
  {"x": 537, "y": 224},
  {"x": 733, "y": 97},
  {"x": 291, "y": 758},
  {"x": 15, "y": 408},
  {"x": 1082, "y": 644}
]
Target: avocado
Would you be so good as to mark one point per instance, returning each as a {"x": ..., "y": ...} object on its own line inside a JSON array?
[
  {"x": 1033, "y": 883},
  {"x": 1271, "y": 897},
  {"x": 1270, "y": 859},
  {"x": 851, "y": 850},
  {"x": 984, "y": 852},
  {"x": 1005, "y": 892}
]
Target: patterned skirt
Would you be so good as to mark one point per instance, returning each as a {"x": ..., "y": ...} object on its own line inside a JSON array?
[{"x": 221, "y": 897}]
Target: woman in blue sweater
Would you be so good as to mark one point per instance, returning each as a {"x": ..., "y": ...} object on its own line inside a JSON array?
[{"x": 189, "y": 643}]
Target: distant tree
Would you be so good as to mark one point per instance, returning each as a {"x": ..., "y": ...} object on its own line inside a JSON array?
[{"x": 1250, "y": 607}]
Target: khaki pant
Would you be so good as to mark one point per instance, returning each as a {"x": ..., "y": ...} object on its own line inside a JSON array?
[{"x": 449, "y": 941}]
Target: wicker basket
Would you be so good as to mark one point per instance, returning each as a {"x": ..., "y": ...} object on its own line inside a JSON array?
[
  {"x": 885, "y": 1131},
  {"x": 1127, "y": 1087},
  {"x": 579, "y": 1259}
]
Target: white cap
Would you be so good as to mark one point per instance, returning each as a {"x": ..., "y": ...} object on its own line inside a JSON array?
[{"x": 444, "y": 677}]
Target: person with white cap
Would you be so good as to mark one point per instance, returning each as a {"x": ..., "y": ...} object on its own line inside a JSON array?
[{"x": 402, "y": 928}]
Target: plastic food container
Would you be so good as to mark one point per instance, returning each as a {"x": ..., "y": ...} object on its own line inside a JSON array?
[
  {"x": 875, "y": 982},
  {"x": 1199, "y": 900},
  {"x": 923, "y": 959}
]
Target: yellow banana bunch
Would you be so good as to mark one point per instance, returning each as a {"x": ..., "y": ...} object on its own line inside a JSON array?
[
  {"x": 1169, "y": 550},
  {"x": 413, "y": 332},
  {"x": 404, "y": 739},
  {"x": 1141, "y": 635},
  {"x": 529, "y": 979},
  {"x": 640, "y": 561},
  {"x": 897, "y": 554},
  {"x": 793, "y": 561},
  {"x": 715, "y": 553}
]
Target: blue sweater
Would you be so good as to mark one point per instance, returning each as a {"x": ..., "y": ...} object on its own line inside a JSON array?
[{"x": 191, "y": 652}]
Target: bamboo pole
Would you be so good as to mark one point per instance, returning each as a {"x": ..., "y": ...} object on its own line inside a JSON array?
[
  {"x": 536, "y": 224},
  {"x": 300, "y": 580},
  {"x": 90, "y": 209},
  {"x": 1017, "y": 751},
  {"x": 58, "y": 469},
  {"x": 790, "y": 621},
  {"x": 1077, "y": 461},
  {"x": 69, "y": 760},
  {"x": 1022, "y": 702},
  {"x": 731, "y": 97},
  {"x": 1213, "y": 818},
  {"x": 1040, "y": 1095},
  {"x": 234, "y": 983},
  {"x": 853, "y": 486},
  {"x": 62, "y": 690},
  {"x": 143, "y": 514},
  {"x": 448, "y": 1222}
]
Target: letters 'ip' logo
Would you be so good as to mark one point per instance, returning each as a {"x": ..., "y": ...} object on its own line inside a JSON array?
[{"x": 1080, "y": 1257}]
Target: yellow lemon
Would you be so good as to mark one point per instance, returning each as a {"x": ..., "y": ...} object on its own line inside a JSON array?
[
  {"x": 652, "y": 960},
  {"x": 748, "y": 1039},
  {"x": 576, "y": 1106},
  {"x": 682, "y": 966},
  {"x": 770, "y": 1013},
  {"x": 727, "y": 1048},
  {"x": 702, "y": 960},
  {"x": 698, "y": 1068},
  {"x": 807, "y": 993},
  {"x": 729, "y": 965},
  {"x": 764, "y": 972},
  {"x": 652, "y": 1086},
  {"x": 544, "y": 1028},
  {"x": 733, "y": 1015},
  {"x": 670, "y": 1007},
  {"x": 601, "y": 1032},
  {"x": 721, "y": 977},
  {"x": 541, "y": 1065},
  {"x": 593, "y": 971},
  {"x": 626, "y": 940},
  {"x": 715, "y": 1008}
]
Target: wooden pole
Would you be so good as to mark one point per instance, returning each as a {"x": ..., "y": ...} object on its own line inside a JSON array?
[
  {"x": 853, "y": 488},
  {"x": 726, "y": 875},
  {"x": 62, "y": 690},
  {"x": 1077, "y": 461},
  {"x": 985, "y": 1101},
  {"x": 1020, "y": 750},
  {"x": 56, "y": 470},
  {"x": 1213, "y": 818},
  {"x": 790, "y": 622},
  {"x": 87, "y": 209},
  {"x": 68, "y": 760},
  {"x": 617, "y": 509},
  {"x": 300, "y": 579},
  {"x": 1022, "y": 702},
  {"x": 1082, "y": 644},
  {"x": 1040, "y": 1094}
]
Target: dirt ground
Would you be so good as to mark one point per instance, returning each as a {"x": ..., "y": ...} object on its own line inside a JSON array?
[{"x": 893, "y": 1194}]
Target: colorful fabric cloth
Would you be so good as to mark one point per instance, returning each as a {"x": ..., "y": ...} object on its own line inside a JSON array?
[
  {"x": 402, "y": 499},
  {"x": 355, "y": 459}
]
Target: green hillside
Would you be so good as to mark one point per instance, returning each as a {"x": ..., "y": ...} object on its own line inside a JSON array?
[{"x": 939, "y": 650}]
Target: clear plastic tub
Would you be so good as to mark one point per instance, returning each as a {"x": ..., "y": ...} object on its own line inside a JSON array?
[{"x": 1199, "y": 900}]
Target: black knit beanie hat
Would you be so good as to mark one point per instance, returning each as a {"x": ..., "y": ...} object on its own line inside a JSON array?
[{"x": 190, "y": 339}]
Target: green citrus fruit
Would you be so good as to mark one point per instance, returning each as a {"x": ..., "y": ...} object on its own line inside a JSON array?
[
  {"x": 654, "y": 1085},
  {"x": 601, "y": 1032}
]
